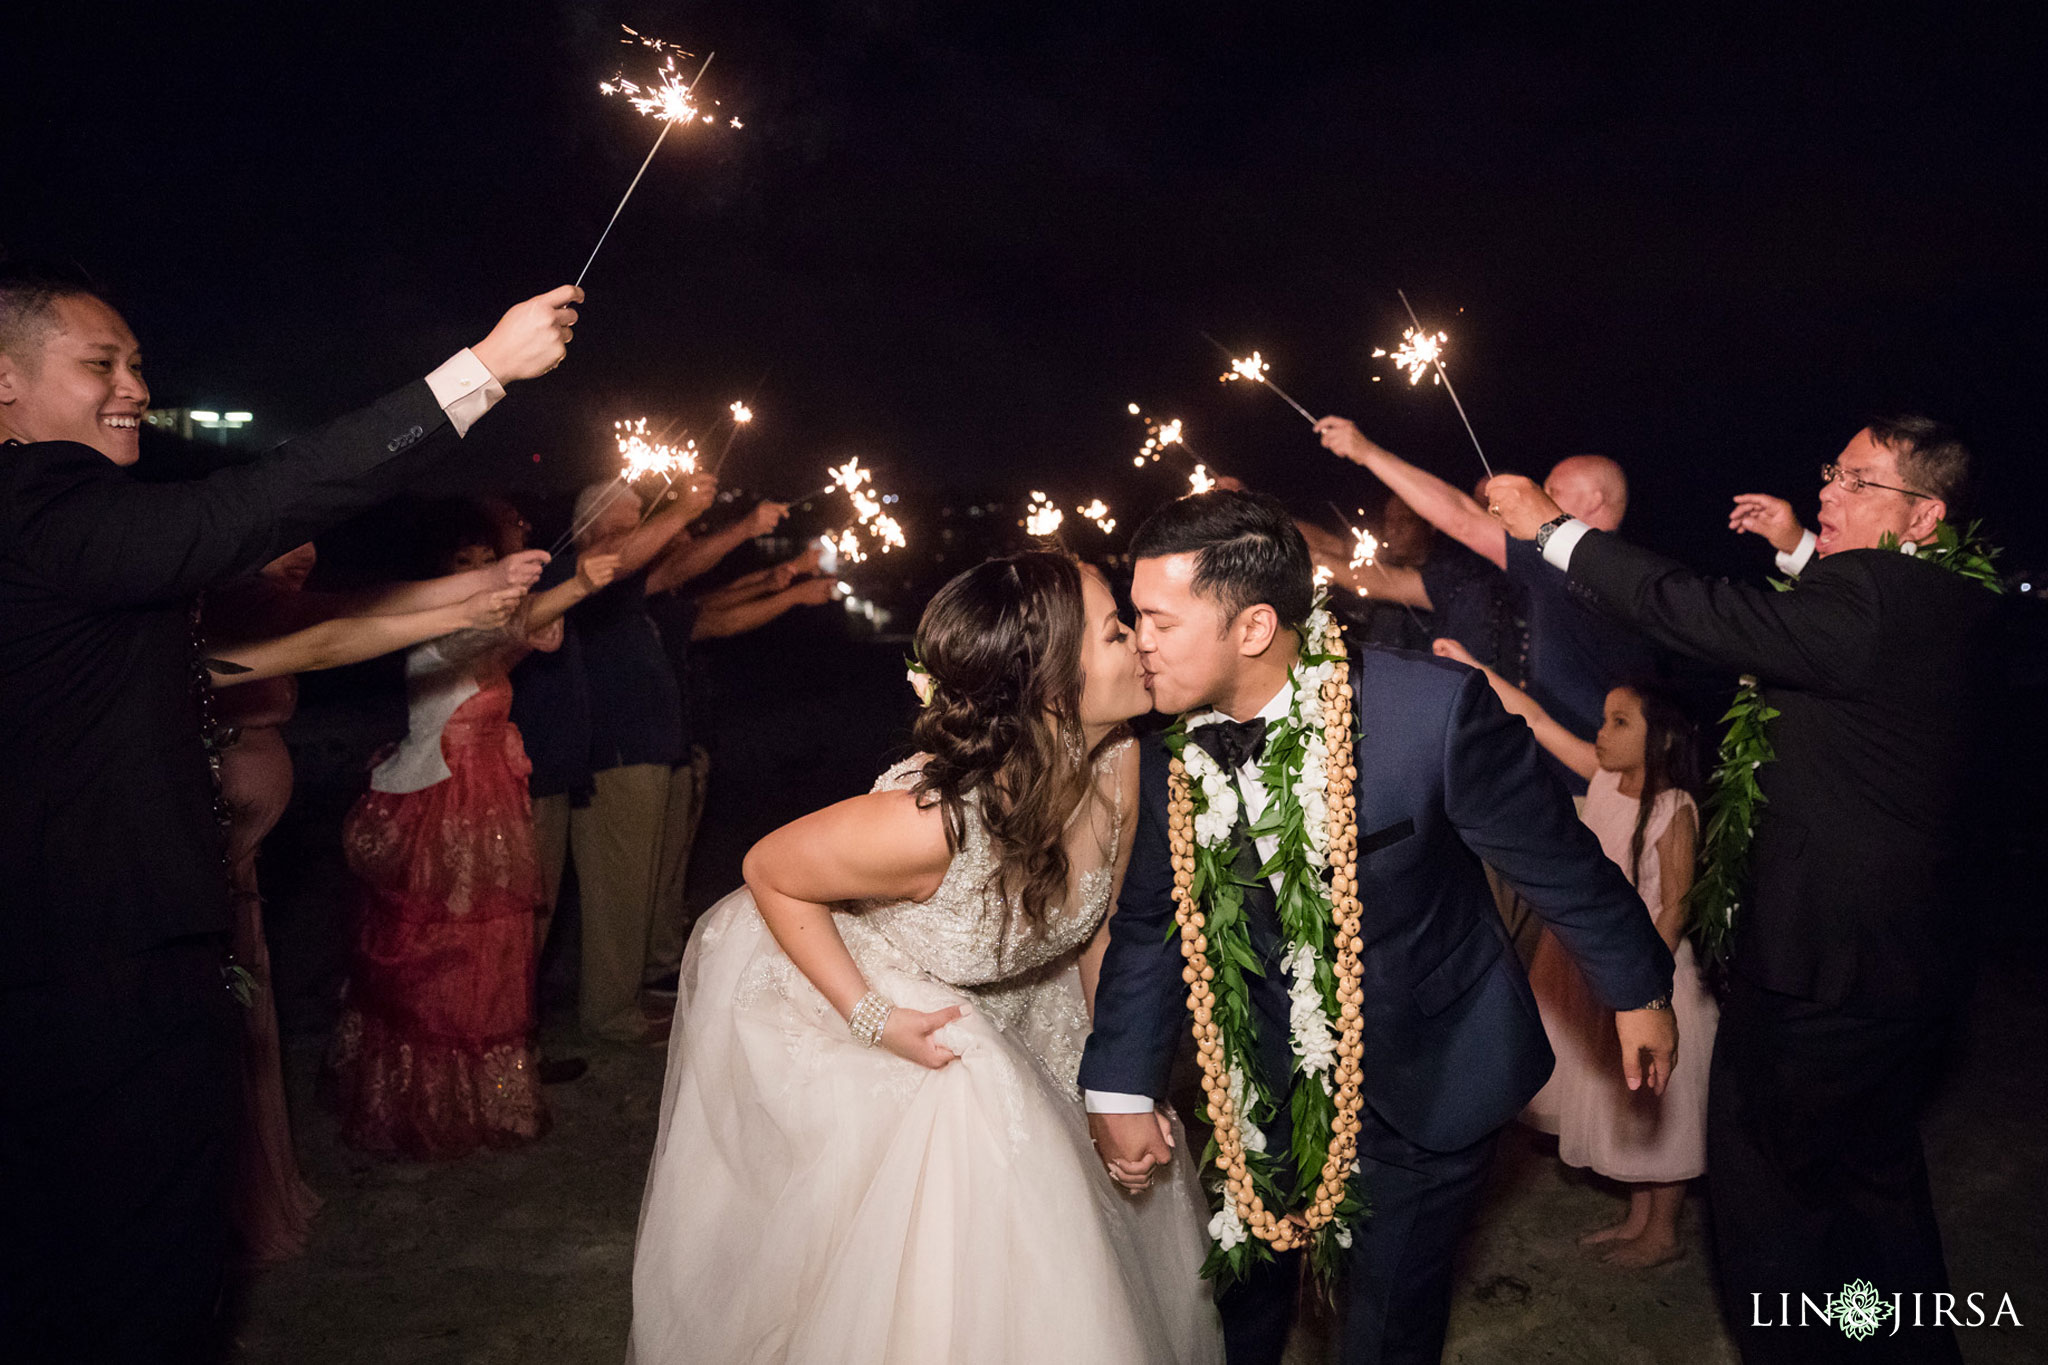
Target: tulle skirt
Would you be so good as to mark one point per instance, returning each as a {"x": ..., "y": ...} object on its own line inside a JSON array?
[
  {"x": 812, "y": 1200},
  {"x": 1602, "y": 1125}
]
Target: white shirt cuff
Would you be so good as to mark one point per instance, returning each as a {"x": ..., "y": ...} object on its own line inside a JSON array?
[
  {"x": 1111, "y": 1102},
  {"x": 1558, "y": 549},
  {"x": 1794, "y": 564},
  {"x": 466, "y": 389}
]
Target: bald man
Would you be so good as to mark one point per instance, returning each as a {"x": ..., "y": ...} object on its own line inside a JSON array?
[{"x": 1576, "y": 652}]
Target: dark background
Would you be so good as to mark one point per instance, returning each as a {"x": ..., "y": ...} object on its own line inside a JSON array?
[{"x": 958, "y": 239}]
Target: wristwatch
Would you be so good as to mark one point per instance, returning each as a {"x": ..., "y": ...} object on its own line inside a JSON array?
[{"x": 1549, "y": 528}]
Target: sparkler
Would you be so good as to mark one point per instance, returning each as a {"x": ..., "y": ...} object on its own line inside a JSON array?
[
  {"x": 1199, "y": 481},
  {"x": 1158, "y": 437},
  {"x": 858, "y": 485},
  {"x": 670, "y": 100},
  {"x": 741, "y": 415},
  {"x": 639, "y": 457},
  {"x": 1097, "y": 511},
  {"x": 1042, "y": 518},
  {"x": 1419, "y": 351},
  {"x": 1254, "y": 369}
]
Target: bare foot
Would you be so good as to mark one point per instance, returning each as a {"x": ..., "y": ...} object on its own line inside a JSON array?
[
  {"x": 1643, "y": 1252},
  {"x": 1623, "y": 1231}
]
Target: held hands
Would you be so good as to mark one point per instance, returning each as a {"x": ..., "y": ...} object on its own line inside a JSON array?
[
  {"x": 908, "y": 1034},
  {"x": 532, "y": 337},
  {"x": 1518, "y": 504},
  {"x": 1649, "y": 1047},
  {"x": 1760, "y": 514},
  {"x": 1132, "y": 1146},
  {"x": 491, "y": 608},
  {"x": 594, "y": 570},
  {"x": 520, "y": 569}
]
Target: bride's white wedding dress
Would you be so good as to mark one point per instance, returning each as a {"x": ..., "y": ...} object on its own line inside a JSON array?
[{"x": 812, "y": 1200}]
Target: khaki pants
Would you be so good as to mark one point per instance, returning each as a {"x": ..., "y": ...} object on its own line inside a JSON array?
[
  {"x": 617, "y": 844},
  {"x": 551, "y": 851},
  {"x": 672, "y": 919}
]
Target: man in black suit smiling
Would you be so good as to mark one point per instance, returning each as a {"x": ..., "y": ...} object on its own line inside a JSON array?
[
  {"x": 117, "y": 1031},
  {"x": 1850, "y": 946}
]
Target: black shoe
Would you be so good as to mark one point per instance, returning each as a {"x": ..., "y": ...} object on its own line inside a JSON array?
[{"x": 560, "y": 1070}]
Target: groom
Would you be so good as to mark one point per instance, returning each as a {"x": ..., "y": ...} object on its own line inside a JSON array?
[{"x": 1453, "y": 1044}]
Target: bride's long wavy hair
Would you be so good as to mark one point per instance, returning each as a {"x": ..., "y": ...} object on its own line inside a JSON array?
[{"x": 1002, "y": 644}]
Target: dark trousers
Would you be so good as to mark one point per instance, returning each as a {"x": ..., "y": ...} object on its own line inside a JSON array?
[
  {"x": 1395, "y": 1300},
  {"x": 118, "y": 1095},
  {"x": 1817, "y": 1175}
]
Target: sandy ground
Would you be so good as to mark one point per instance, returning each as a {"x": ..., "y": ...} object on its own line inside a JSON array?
[{"x": 526, "y": 1256}]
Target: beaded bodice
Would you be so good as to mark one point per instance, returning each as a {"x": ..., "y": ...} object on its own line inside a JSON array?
[{"x": 968, "y": 932}]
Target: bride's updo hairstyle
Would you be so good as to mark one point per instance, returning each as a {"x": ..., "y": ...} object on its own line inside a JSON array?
[{"x": 1002, "y": 645}]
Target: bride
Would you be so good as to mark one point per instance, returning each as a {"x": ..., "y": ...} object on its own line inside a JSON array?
[{"x": 872, "y": 1148}]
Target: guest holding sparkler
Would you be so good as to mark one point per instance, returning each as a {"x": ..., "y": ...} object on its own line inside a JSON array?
[
  {"x": 118, "y": 1089},
  {"x": 1843, "y": 889},
  {"x": 1576, "y": 653},
  {"x": 747, "y": 603},
  {"x": 434, "y": 1056},
  {"x": 257, "y": 636},
  {"x": 636, "y": 741}
]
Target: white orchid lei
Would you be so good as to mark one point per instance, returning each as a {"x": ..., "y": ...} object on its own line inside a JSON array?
[{"x": 1312, "y": 818}]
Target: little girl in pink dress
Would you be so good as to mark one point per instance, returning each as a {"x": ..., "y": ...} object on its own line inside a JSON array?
[{"x": 1640, "y": 770}]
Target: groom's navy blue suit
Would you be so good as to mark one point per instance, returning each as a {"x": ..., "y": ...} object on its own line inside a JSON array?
[{"x": 1454, "y": 1046}]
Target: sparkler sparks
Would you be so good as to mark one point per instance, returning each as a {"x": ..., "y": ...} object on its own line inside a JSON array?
[
  {"x": 1159, "y": 435},
  {"x": 1042, "y": 518},
  {"x": 858, "y": 485},
  {"x": 1419, "y": 353},
  {"x": 1097, "y": 511},
  {"x": 640, "y": 456},
  {"x": 1418, "y": 349},
  {"x": 1199, "y": 481},
  {"x": 671, "y": 100},
  {"x": 1254, "y": 369},
  {"x": 1365, "y": 546},
  {"x": 741, "y": 413}
]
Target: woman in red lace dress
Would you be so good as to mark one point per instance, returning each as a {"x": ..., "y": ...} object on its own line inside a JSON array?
[{"x": 434, "y": 1055}]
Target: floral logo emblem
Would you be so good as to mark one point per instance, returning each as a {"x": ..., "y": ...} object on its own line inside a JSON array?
[{"x": 1859, "y": 1311}]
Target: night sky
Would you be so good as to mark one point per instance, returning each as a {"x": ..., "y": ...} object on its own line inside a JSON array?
[{"x": 957, "y": 239}]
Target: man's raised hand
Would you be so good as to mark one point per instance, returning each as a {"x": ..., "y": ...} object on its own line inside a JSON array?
[
  {"x": 1760, "y": 514},
  {"x": 532, "y": 337}
]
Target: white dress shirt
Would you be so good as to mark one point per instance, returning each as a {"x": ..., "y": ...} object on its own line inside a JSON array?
[
  {"x": 465, "y": 388},
  {"x": 1558, "y": 550},
  {"x": 1252, "y": 792}
]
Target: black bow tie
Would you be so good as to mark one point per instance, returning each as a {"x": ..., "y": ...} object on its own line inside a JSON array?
[{"x": 1232, "y": 743}]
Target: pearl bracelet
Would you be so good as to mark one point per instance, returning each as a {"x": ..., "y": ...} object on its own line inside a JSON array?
[{"x": 869, "y": 1017}]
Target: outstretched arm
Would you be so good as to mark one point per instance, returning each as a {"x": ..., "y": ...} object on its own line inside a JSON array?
[
  {"x": 1566, "y": 747},
  {"x": 715, "y": 622},
  {"x": 1450, "y": 510},
  {"x": 691, "y": 556},
  {"x": 97, "y": 535},
  {"x": 352, "y": 639},
  {"x": 879, "y": 846},
  {"x": 1518, "y": 819},
  {"x": 518, "y": 570}
]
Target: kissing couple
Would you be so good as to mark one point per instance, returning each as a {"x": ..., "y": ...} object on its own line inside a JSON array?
[{"x": 915, "y": 1107}]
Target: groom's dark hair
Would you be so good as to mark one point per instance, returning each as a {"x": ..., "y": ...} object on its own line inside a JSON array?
[{"x": 1247, "y": 551}]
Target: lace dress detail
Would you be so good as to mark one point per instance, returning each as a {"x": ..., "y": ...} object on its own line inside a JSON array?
[{"x": 841, "y": 1204}]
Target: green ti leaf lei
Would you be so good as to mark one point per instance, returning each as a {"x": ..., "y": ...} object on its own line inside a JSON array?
[
  {"x": 1291, "y": 772},
  {"x": 1734, "y": 798}
]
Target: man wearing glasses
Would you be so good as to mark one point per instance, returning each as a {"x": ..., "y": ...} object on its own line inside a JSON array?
[{"x": 1851, "y": 948}]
